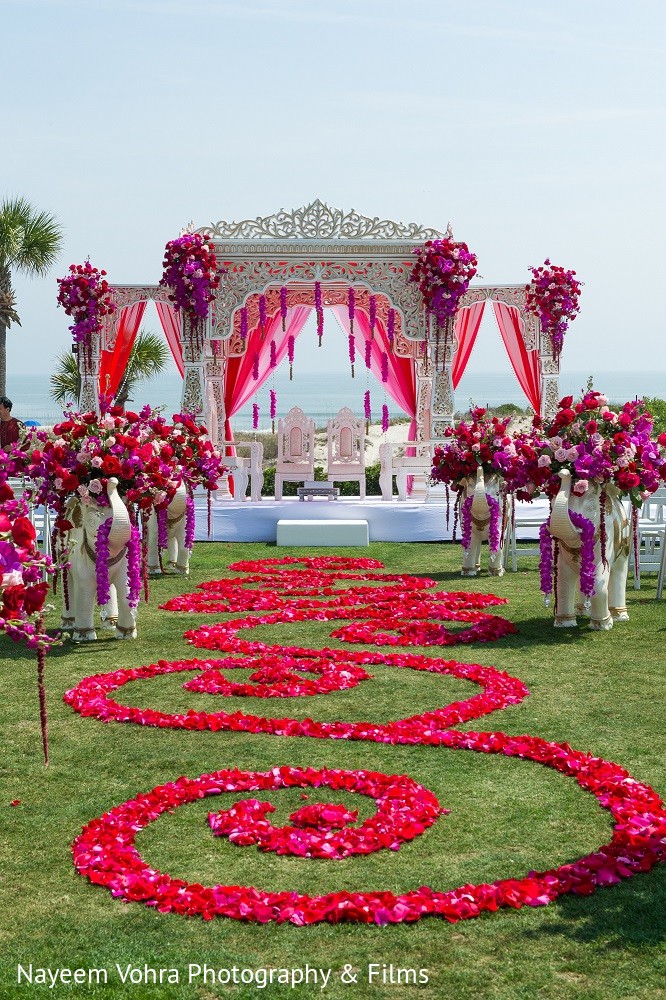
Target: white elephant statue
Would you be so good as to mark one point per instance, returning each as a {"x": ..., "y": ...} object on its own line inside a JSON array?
[
  {"x": 178, "y": 555},
  {"x": 483, "y": 495},
  {"x": 82, "y": 577},
  {"x": 608, "y": 603}
]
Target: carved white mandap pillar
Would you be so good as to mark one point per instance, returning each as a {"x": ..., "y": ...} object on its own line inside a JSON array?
[
  {"x": 441, "y": 406},
  {"x": 194, "y": 395},
  {"x": 88, "y": 358}
]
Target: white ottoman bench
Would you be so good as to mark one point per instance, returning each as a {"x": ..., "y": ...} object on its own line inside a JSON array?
[{"x": 329, "y": 532}]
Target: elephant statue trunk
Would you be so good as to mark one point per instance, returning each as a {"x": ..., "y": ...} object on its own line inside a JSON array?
[
  {"x": 607, "y": 602},
  {"x": 479, "y": 508}
]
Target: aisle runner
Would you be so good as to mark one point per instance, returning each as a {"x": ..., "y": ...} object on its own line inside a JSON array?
[{"x": 383, "y": 609}]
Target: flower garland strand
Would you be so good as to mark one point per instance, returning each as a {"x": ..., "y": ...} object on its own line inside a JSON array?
[
  {"x": 190, "y": 521},
  {"x": 283, "y": 307},
  {"x": 243, "y": 323},
  {"x": 390, "y": 331},
  {"x": 372, "y": 303},
  {"x": 320, "y": 311},
  {"x": 291, "y": 344},
  {"x": 262, "y": 315},
  {"x": 255, "y": 416},
  {"x": 273, "y": 408},
  {"x": 367, "y": 410},
  {"x": 102, "y": 556},
  {"x": 134, "y": 575}
]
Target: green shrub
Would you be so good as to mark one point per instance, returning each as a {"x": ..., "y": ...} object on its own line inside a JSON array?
[
  {"x": 346, "y": 489},
  {"x": 657, "y": 408}
]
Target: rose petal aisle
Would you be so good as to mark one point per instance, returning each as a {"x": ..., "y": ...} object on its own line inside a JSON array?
[{"x": 379, "y": 609}]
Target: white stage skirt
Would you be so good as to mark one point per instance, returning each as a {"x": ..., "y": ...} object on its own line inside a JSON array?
[{"x": 388, "y": 521}]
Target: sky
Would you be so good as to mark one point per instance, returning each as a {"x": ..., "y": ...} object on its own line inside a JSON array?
[{"x": 536, "y": 128}]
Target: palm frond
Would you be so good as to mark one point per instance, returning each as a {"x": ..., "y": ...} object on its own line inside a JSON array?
[
  {"x": 66, "y": 379},
  {"x": 29, "y": 240}
]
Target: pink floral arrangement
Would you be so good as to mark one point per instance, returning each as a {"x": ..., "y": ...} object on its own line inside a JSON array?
[
  {"x": 482, "y": 442},
  {"x": 192, "y": 275},
  {"x": 443, "y": 271},
  {"x": 598, "y": 445},
  {"x": 553, "y": 295},
  {"x": 85, "y": 450},
  {"x": 85, "y": 295}
]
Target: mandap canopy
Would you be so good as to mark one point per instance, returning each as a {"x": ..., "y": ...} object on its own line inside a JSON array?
[{"x": 278, "y": 269}]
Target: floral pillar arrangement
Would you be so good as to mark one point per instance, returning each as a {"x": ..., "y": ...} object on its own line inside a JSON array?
[
  {"x": 86, "y": 297},
  {"x": 443, "y": 271},
  {"x": 192, "y": 275},
  {"x": 553, "y": 296}
]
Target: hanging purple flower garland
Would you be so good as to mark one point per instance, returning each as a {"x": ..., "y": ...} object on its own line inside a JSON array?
[
  {"x": 255, "y": 416},
  {"x": 162, "y": 527},
  {"x": 273, "y": 356},
  {"x": 190, "y": 521},
  {"x": 283, "y": 307},
  {"x": 385, "y": 418},
  {"x": 255, "y": 366},
  {"x": 368, "y": 353},
  {"x": 385, "y": 367},
  {"x": 390, "y": 330},
  {"x": 102, "y": 561},
  {"x": 351, "y": 312},
  {"x": 320, "y": 311},
  {"x": 273, "y": 396},
  {"x": 546, "y": 559},
  {"x": 291, "y": 344},
  {"x": 262, "y": 315},
  {"x": 367, "y": 409},
  {"x": 134, "y": 576},
  {"x": 373, "y": 315},
  {"x": 243, "y": 323}
]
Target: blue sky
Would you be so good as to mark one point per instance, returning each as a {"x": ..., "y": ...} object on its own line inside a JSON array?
[{"x": 536, "y": 128}]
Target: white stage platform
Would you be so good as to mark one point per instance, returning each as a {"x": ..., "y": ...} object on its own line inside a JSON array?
[{"x": 388, "y": 521}]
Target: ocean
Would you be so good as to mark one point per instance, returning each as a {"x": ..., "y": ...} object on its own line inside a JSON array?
[{"x": 321, "y": 395}]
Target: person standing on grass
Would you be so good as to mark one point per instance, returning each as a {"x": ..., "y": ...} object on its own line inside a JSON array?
[{"x": 10, "y": 427}]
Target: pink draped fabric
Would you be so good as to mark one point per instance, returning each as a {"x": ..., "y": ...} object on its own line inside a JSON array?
[
  {"x": 467, "y": 326},
  {"x": 113, "y": 363},
  {"x": 524, "y": 363},
  {"x": 170, "y": 320},
  {"x": 239, "y": 386},
  {"x": 401, "y": 385}
]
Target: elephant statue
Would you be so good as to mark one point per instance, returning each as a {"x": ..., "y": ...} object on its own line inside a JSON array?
[
  {"x": 481, "y": 502},
  {"x": 82, "y": 577},
  {"x": 178, "y": 554},
  {"x": 608, "y": 603}
]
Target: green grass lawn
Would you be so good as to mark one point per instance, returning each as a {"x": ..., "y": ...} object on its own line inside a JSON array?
[{"x": 600, "y": 692}]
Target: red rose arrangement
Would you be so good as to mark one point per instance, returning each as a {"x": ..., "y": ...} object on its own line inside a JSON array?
[
  {"x": 23, "y": 569},
  {"x": 553, "y": 296},
  {"x": 192, "y": 276},
  {"x": 85, "y": 295},
  {"x": 443, "y": 271}
]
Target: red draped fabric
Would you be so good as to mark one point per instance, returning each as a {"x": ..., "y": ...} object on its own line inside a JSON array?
[
  {"x": 524, "y": 363},
  {"x": 113, "y": 363},
  {"x": 170, "y": 320},
  {"x": 239, "y": 386},
  {"x": 401, "y": 385},
  {"x": 467, "y": 326}
]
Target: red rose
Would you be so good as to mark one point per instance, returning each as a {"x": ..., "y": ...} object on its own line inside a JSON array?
[
  {"x": 566, "y": 402},
  {"x": 6, "y": 493},
  {"x": 34, "y": 597},
  {"x": 70, "y": 482},
  {"x": 111, "y": 465},
  {"x": 12, "y": 600},
  {"x": 23, "y": 533}
]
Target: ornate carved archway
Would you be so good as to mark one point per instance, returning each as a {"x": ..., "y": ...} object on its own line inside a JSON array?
[{"x": 317, "y": 243}]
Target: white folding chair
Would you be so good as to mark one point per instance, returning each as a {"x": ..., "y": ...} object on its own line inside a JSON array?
[{"x": 651, "y": 536}]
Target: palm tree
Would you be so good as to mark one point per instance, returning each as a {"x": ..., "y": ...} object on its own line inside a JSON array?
[
  {"x": 30, "y": 242},
  {"x": 148, "y": 358}
]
